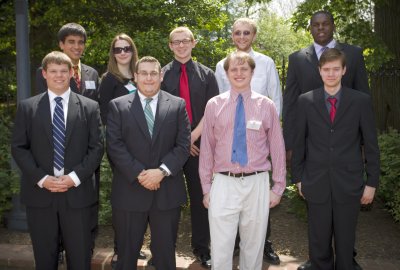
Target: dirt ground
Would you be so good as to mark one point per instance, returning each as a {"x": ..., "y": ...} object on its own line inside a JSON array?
[{"x": 377, "y": 235}]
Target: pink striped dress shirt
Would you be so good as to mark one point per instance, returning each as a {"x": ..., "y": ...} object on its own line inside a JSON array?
[{"x": 263, "y": 137}]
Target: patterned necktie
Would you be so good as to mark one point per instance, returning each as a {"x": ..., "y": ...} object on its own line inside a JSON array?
[
  {"x": 332, "y": 111},
  {"x": 76, "y": 77},
  {"x": 184, "y": 90},
  {"x": 148, "y": 113},
  {"x": 239, "y": 146},
  {"x": 58, "y": 134}
]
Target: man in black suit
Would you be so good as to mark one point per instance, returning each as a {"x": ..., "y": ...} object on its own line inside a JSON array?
[
  {"x": 303, "y": 75},
  {"x": 148, "y": 142},
  {"x": 201, "y": 86},
  {"x": 85, "y": 80},
  {"x": 333, "y": 124},
  {"x": 57, "y": 145}
]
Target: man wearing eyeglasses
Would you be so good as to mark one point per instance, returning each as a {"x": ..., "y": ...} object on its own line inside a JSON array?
[
  {"x": 85, "y": 81},
  {"x": 195, "y": 83},
  {"x": 265, "y": 81},
  {"x": 148, "y": 142}
]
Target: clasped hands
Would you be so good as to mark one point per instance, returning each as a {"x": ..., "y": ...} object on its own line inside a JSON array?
[
  {"x": 151, "y": 178},
  {"x": 58, "y": 184}
]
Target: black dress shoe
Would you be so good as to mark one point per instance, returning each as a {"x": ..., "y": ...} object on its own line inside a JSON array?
[
  {"x": 205, "y": 260},
  {"x": 113, "y": 262},
  {"x": 356, "y": 265},
  {"x": 271, "y": 257},
  {"x": 61, "y": 257},
  {"x": 142, "y": 255},
  {"x": 305, "y": 266}
]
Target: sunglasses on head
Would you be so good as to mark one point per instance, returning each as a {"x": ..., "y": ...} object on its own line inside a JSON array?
[
  {"x": 118, "y": 50},
  {"x": 239, "y": 33}
]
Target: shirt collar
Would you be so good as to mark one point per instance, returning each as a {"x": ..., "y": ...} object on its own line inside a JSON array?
[
  {"x": 330, "y": 45},
  {"x": 65, "y": 95},
  {"x": 176, "y": 65},
  {"x": 79, "y": 66},
  {"x": 143, "y": 97},
  {"x": 234, "y": 95},
  {"x": 337, "y": 95}
]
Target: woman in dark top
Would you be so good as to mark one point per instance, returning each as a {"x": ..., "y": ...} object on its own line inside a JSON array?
[{"x": 118, "y": 80}]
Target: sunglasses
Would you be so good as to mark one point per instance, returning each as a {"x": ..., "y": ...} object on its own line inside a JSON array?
[
  {"x": 126, "y": 49},
  {"x": 239, "y": 33}
]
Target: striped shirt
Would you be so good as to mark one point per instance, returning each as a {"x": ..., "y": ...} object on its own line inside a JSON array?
[{"x": 263, "y": 138}]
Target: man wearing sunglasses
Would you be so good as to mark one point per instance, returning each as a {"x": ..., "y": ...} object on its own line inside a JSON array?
[
  {"x": 85, "y": 81},
  {"x": 265, "y": 81},
  {"x": 196, "y": 84}
]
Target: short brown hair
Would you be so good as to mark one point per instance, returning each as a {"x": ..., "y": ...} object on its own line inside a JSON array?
[
  {"x": 241, "y": 58},
  {"x": 330, "y": 55},
  {"x": 147, "y": 59},
  {"x": 56, "y": 57},
  {"x": 181, "y": 29},
  {"x": 248, "y": 21},
  {"x": 71, "y": 29}
]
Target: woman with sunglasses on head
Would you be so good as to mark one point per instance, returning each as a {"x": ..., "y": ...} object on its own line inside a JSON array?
[{"x": 118, "y": 80}]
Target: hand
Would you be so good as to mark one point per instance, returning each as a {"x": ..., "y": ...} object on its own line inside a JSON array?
[
  {"x": 299, "y": 189},
  {"x": 288, "y": 157},
  {"x": 151, "y": 178},
  {"x": 206, "y": 200},
  {"x": 194, "y": 150},
  {"x": 54, "y": 184},
  {"x": 368, "y": 195},
  {"x": 274, "y": 199},
  {"x": 194, "y": 136}
]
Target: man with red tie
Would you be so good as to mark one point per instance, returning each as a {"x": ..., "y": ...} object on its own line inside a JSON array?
[
  {"x": 196, "y": 84},
  {"x": 333, "y": 124}
]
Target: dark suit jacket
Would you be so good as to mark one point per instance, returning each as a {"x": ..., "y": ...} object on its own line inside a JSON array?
[
  {"x": 327, "y": 158},
  {"x": 202, "y": 85},
  {"x": 87, "y": 74},
  {"x": 303, "y": 76},
  {"x": 110, "y": 87},
  {"x": 32, "y": 148},
  {"x": 131, "y": 150}
]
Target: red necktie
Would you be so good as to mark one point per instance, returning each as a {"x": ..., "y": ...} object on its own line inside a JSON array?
[
  {"x": 332, "y": 112},
  {"x": 76, "y": 77},
  {"x": 184, "y": 90}
]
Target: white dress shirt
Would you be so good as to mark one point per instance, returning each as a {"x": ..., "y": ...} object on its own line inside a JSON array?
[
  {"x": 320, "y": 49},
  {"x": 265, "y": 79}
]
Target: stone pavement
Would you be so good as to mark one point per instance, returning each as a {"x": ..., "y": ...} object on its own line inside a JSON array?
[{"x": 21, "y": 257}]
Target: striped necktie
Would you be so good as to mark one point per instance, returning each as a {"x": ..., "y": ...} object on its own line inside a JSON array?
[
  {"x": 148, "y": 113},
  {"x": 58, "y": 134}
]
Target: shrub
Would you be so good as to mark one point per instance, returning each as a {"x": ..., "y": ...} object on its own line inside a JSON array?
[
  {"x": 105, "y": 211},
  {"x": 389, "y": 184}
]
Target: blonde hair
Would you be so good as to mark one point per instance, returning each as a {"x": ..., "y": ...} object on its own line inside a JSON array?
[
  {"x": 56, "y": 57},
  {"x": 181, "y": 29},
  {"x": 247, "y": 21},
  {"x": 241, "y": 58}
]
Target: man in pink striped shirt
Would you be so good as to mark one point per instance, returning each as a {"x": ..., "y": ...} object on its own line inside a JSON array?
[{"x": 237, "y": 193}]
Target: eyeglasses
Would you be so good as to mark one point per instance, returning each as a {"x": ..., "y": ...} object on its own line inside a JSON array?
[
  {"x": 145, "y": 74},
  {"x": 126, "y": 49},
  {"x": 239, "y": 33},
  {"x": 183, "y": 41}
]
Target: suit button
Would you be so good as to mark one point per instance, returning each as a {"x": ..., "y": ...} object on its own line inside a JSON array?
[{"x": 332, "y": 130}]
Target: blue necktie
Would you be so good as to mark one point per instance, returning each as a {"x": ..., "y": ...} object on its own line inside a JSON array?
[
  {"x": 239, "y": 146},
  {"x": 148, "y": 113},
  {"x": 58, "y": 134}
]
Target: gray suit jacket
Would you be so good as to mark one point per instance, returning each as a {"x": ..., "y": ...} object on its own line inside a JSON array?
[
  {"x": 32, "y": 148},
  {"x": 131, "y": 150},
  {"x": 327, "y": 157},
  {"x": 303, "y": 76}
]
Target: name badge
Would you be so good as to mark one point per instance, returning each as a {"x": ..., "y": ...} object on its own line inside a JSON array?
[
  {"x": 90, "y": 85},
  {"x": 130, "y": 87},
  {"x": 253, "y": 124}
]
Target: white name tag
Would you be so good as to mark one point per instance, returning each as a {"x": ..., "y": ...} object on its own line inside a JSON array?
[
  {"x": 130, "y": 87},
  {"x": 253, "y": 124},
  {"x": 90, "y": 85}
]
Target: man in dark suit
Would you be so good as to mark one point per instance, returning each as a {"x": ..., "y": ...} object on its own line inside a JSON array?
[
  {"x": 148, "y": 142},
  {"x": 57, "y": 145},
  {"x": 85, "y": 80},
  {"x": 333, "y": 124},
  {"x": 303, "y": 75},
  {"x": 201, "y": 85}
]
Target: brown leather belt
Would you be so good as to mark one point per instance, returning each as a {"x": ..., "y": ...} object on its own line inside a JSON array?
[{"x": 240, "y": 175}]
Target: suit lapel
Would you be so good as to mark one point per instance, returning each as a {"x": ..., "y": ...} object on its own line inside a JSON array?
[
  {"x": 343, "y": 105},
  {"x": 74, "y": 109},
  {"x": 137, "y": 112},
  {"x": 45, "y": 115},
  {"x": 311, "y": 56},
  {"x": 319, "y": 102},
  {"x": 162, "y": 111}
]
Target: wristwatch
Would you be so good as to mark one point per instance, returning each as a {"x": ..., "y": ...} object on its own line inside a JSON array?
[{"x": 163, "y": 171}]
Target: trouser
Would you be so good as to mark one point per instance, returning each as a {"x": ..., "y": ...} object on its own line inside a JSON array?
[{"x": 244, "y": 203}]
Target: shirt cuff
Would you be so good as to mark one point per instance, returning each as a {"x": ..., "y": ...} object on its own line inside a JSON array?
[
  {"x": 278, "y": 188},
  {"x": 166, "y": 169},
  {"x": 40, "y": 183},
  {"x": 75, "y": 178}
]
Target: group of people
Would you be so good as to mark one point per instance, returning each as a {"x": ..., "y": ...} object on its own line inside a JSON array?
[{"x": 220, "y": 133}]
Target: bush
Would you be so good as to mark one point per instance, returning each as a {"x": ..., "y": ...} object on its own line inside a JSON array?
[
  {"x": 105, "y": 211},
  {"x": 389, "y": 184},
  {"x": 9, "y": 178}
]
